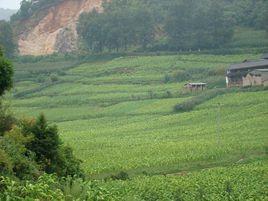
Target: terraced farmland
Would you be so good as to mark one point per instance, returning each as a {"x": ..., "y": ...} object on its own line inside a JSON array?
[{"x": 118, "y": 116}]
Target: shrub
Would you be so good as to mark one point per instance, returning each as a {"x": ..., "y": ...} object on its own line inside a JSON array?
[
  {"x": 45, "y": 143},
  {"x": 67, "y": 163},
  {"x": 45, "y": 188},
  {"x": 151, "y": 94},
  {"x": 120, "y": 176},
  {"x": 54, "y": 77},
  {"x": 17, "y": 160},
  {"x": 49, "y": 151},
  {"x": 6, "y": 119},
  {"x": 41, "y": 79},
  {"x": 77, "y": 189},
  {"x": 6, "y": 74},
  {"x": 168, "y": 94},
  {"x": 188, "y": 105},
  {"x": 167, "y": 78},
  {"x": 5, "y": 162}
]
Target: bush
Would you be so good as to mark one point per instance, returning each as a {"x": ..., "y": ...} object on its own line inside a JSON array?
[
  {"x": 167, "y": 78},
  {"x": 77, "y": 189},
  {"x": 16, "y": 159},
  {"x": 49, "y": 151},
  {"x": 54, "y": 77},
  {"x": 199, "y": 99},
  {"x": 120, "y": 176},
  {"x": 67, "y": 163},
  {"x": 45, "y": 143},
  {"x": 45, "y": 188},
  {"x": 6, "y": 74},
  {"x": 6, "y": 119},
  {"x": 5, "y": 163},
  {"x": 168, "y": 94}
]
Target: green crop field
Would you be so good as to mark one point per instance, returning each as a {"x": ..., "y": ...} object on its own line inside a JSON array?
[{"x": 118, "y": 115}]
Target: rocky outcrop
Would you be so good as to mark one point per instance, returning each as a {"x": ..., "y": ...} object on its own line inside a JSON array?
[{"x": 56, "y": 30}]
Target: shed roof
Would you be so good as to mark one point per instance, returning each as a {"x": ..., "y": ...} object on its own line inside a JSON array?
[
  {"x": 197, "y": 83},
  {"x": 250, "y": 65}
]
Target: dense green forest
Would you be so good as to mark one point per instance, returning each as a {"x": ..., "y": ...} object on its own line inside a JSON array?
[{"x": 169, "y": 25}]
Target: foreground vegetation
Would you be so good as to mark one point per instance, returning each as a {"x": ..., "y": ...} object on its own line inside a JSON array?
[{"x": 238, "y": 182}]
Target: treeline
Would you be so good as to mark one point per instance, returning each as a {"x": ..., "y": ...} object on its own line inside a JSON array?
[
  {"x": 153, "y": 25},
  {"x": 168, "y": 25},
  {"x": 7, "y": 42},
  {"x": 116, "y": 28}
]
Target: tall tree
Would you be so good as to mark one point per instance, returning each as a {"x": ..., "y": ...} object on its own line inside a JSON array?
[
  {"x": 191, "y": 25},
  {"x": 6, "y": 74},
  {"x": 220, "y": 30},
  {"x": 179, "y": 25},
  {"x": 45, "y": 143},
  {"x": 116, "y": 28},
  {"x": 6, "y": 38}
]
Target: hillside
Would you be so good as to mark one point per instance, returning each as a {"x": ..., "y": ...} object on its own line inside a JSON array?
[
  {"x": 118, "y": 115},
  {"x": 5, "y": 14},
  {"x": 53, "y": 28},
  {"x": 111, "y": 102}
]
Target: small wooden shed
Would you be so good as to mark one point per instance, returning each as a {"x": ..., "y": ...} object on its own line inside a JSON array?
[{"x": 200, "y": 86}]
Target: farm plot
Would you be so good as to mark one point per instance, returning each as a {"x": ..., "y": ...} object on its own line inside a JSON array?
[{"x": 118, "y": 114}]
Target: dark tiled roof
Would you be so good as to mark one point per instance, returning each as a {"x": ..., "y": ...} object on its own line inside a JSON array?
[{"x": 250, "y": 65}]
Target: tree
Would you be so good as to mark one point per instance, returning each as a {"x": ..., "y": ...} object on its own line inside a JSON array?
[
  {"x": 179, "y": 25},
  {"x": 191, "y": 25},
  {"x": 91, "y": 31},
  {"x": 49, "y": 151},
  {"x": 6, "y": 74},
  {"x": 25, "y": 6},
  {"x": 220, "y": 30},
  {"x": 266, "y": 17},
  {"x": 45, "y": 143},
  {"x": 6, "y": 38},
  {"x": 120, "y": 26}
]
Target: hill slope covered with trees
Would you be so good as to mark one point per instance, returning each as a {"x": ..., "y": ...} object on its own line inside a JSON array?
[
  {"x": 169, "y": 25},
  {"x": 138, "y": 25}
]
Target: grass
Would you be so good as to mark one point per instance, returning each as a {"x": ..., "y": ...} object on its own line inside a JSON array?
[{"x": 118, "y": 115}]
